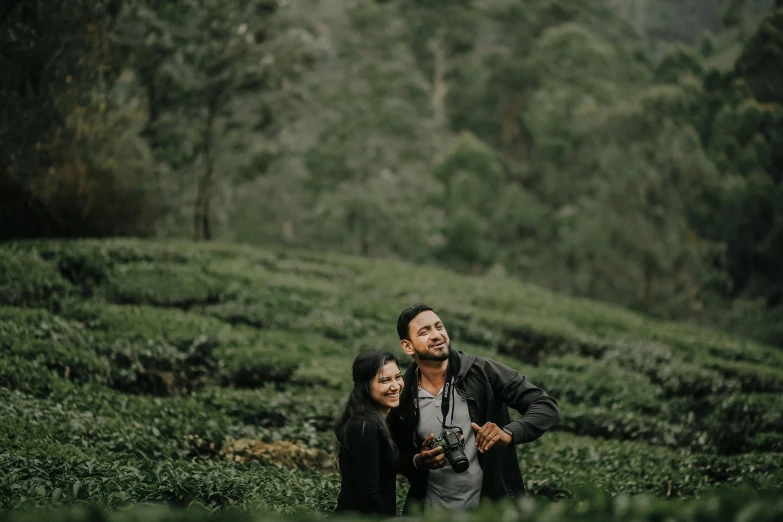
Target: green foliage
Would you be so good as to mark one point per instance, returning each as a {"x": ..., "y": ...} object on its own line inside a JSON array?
[
  {"x": 732, "y": 504},
  {"x": 27, "y": 280},
  {"x": 116, "y": 484},
  {"x": 164, "y": 285},
  {"x": 596, "y": 148},
  {"x": 138, "y": 403},
  {"x": 563, "y": 463},
  {"x": 252, "y": 366},
  {"x": 735, "y": 417},
  {"x": 676, "y": 63},
  {"x": 578, "y": 380}
]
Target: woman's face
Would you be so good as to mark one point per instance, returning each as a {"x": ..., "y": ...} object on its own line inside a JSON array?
[{"x": 386, "y": 387}]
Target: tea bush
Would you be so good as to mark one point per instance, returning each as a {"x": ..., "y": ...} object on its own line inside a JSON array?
[
  {"x": 736, "y": 421},
  {"x": 597, "y": 383},
  {"x": 182, "y": 286},
  {"x": 51, "y": 481},
  {"x": 752, "y": 377},
  {"x": 253, "y": 366},
  {"x": 560, "y": 463},
  {"x": 109, "y": 424},
  {"x": 27, "y": 280},
  {"x": 129, "y": 370},
  {"x": 50, "y": 342},
  {"x": 598, "y": 421}
]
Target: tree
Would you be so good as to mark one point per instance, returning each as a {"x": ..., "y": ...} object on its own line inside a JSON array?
[
  {"x": 200, "y": 63},
  {"x": 440, "y": 33},
  {"x": 74, "y": 158},
  {"x": 368, "y": 167},
  {"x": 746, "y": 139}
]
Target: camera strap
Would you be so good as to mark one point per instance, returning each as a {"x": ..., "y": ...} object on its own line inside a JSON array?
[{"x": 448, "y": 391}]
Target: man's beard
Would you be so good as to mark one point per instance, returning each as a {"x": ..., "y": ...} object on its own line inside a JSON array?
[{"x": 427, "y": 356}]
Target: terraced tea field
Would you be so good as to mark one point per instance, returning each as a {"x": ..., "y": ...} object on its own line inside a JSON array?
[{"x": 209, "y": 375}]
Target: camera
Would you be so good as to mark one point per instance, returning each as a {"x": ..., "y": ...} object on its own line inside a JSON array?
[{"x": 453, "y": 445}]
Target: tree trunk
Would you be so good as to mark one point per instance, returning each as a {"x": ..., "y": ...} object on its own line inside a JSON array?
[
  {"x": 439, "y": 86},
  {"x": 201, "y": 223},
  {"x": 153, "y": 112},
  {"x": 515, "y": 136},
  {"x": 510, "y": 126},
  {"x": 648, "y": 288},
  {"x": 364, "y": 237}
]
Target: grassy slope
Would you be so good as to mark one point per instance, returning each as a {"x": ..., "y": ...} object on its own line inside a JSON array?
[{"x": 127, "y": 366}]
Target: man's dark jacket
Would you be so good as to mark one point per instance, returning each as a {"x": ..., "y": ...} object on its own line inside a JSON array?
[{"x": 489, "y": 387}]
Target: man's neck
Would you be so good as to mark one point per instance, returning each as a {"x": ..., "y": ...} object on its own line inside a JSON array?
[{"x": 432, "y": 375}]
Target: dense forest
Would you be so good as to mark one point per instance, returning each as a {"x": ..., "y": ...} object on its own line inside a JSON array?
[{"x": 628, "y": 151}]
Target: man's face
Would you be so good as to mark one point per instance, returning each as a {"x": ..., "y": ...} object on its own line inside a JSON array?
[{"x": 428, "y": 338}]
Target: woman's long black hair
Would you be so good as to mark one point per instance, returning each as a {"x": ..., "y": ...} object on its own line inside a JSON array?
[{"x": 360, "y": 404}]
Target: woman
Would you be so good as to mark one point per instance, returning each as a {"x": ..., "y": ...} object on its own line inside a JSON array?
[{"x": 368, "y": 458}]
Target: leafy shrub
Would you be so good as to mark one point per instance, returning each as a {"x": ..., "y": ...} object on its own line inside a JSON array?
[
  {"x": 675, "y": 375},
  {"x": 156, "y": 368},
  {"x": 26, "y": 280},
  {"x": 29, "y": 376},
  {"x": 598, "y": 421},
  {"x": 128, "y": 251},
  {"x": 37, "y": 481},
  {"x": 254, "y": 366},
  {"x": 307, "y": 417},
  {"x": 77, "y": 354},
  {"x": 736, "y": 420},
  {"x": 249, "y": 406},
  {"x": 133, "y": 402},
  {"x": 268, "y": 307},
  {"x": 177, "y": 327},
  {"x": 52, "y": 342},
  {"x": 85, "y": 265},
  {"x": 726, "y": 506},
  {"x": 182, "y": 286},
  {"x": 529, "y": 340},
  {"x": 108, "y": 424},
  {"x": 327, "y": 371},
  {"x": 559, "y": 463},
  {"x": 752, "y": 377},
  {"x": 581, "y": 380},
  {"x": 772, "y": 442}
]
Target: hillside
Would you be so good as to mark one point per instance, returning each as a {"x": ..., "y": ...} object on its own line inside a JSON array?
[{"x": 135, "y": 371}]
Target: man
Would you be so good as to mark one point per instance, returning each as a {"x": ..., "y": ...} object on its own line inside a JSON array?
[{"x": 451, "y": 388}]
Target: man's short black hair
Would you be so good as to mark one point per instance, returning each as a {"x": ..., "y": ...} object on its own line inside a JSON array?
[{"x": 407, "y": 315}]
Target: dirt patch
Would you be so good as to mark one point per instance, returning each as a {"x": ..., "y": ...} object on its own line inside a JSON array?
[{"x": 279, "y": 453}]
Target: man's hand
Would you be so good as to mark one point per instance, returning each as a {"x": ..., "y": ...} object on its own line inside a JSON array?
[
  {"x": 432, "y": 458},
  {"x": 490, "y": 434}
]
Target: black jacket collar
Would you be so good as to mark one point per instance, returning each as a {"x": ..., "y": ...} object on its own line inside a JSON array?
[{"x": 459, "y": 363}]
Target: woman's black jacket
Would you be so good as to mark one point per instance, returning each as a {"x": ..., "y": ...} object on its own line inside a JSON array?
[{"x": 368, "y": 469}]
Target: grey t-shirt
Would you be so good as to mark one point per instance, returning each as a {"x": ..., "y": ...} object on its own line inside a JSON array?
[{"x": 446, "y": 488}]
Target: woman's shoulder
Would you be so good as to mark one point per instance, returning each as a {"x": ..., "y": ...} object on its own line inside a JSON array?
[
  {"x": 360, "y": 426},
  {"x": 361, "y": 430}
]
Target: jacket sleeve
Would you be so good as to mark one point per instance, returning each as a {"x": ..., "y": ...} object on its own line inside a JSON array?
[
  {"x": 406, "y": 452},
  {"x": 539, "y": 411},
  {"x": 361, "y": 444}
]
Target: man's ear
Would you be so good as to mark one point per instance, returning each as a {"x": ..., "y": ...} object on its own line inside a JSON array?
[{"x": 407, "y": 347}]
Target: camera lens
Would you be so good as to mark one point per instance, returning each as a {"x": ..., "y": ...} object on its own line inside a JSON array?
[{"x": 459, "y": 462}]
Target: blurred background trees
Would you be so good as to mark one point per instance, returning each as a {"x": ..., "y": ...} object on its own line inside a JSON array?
[{"x": 630, "y": 151}]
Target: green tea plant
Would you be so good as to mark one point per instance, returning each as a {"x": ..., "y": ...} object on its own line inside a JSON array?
[{"x": 131, "y": 370}]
